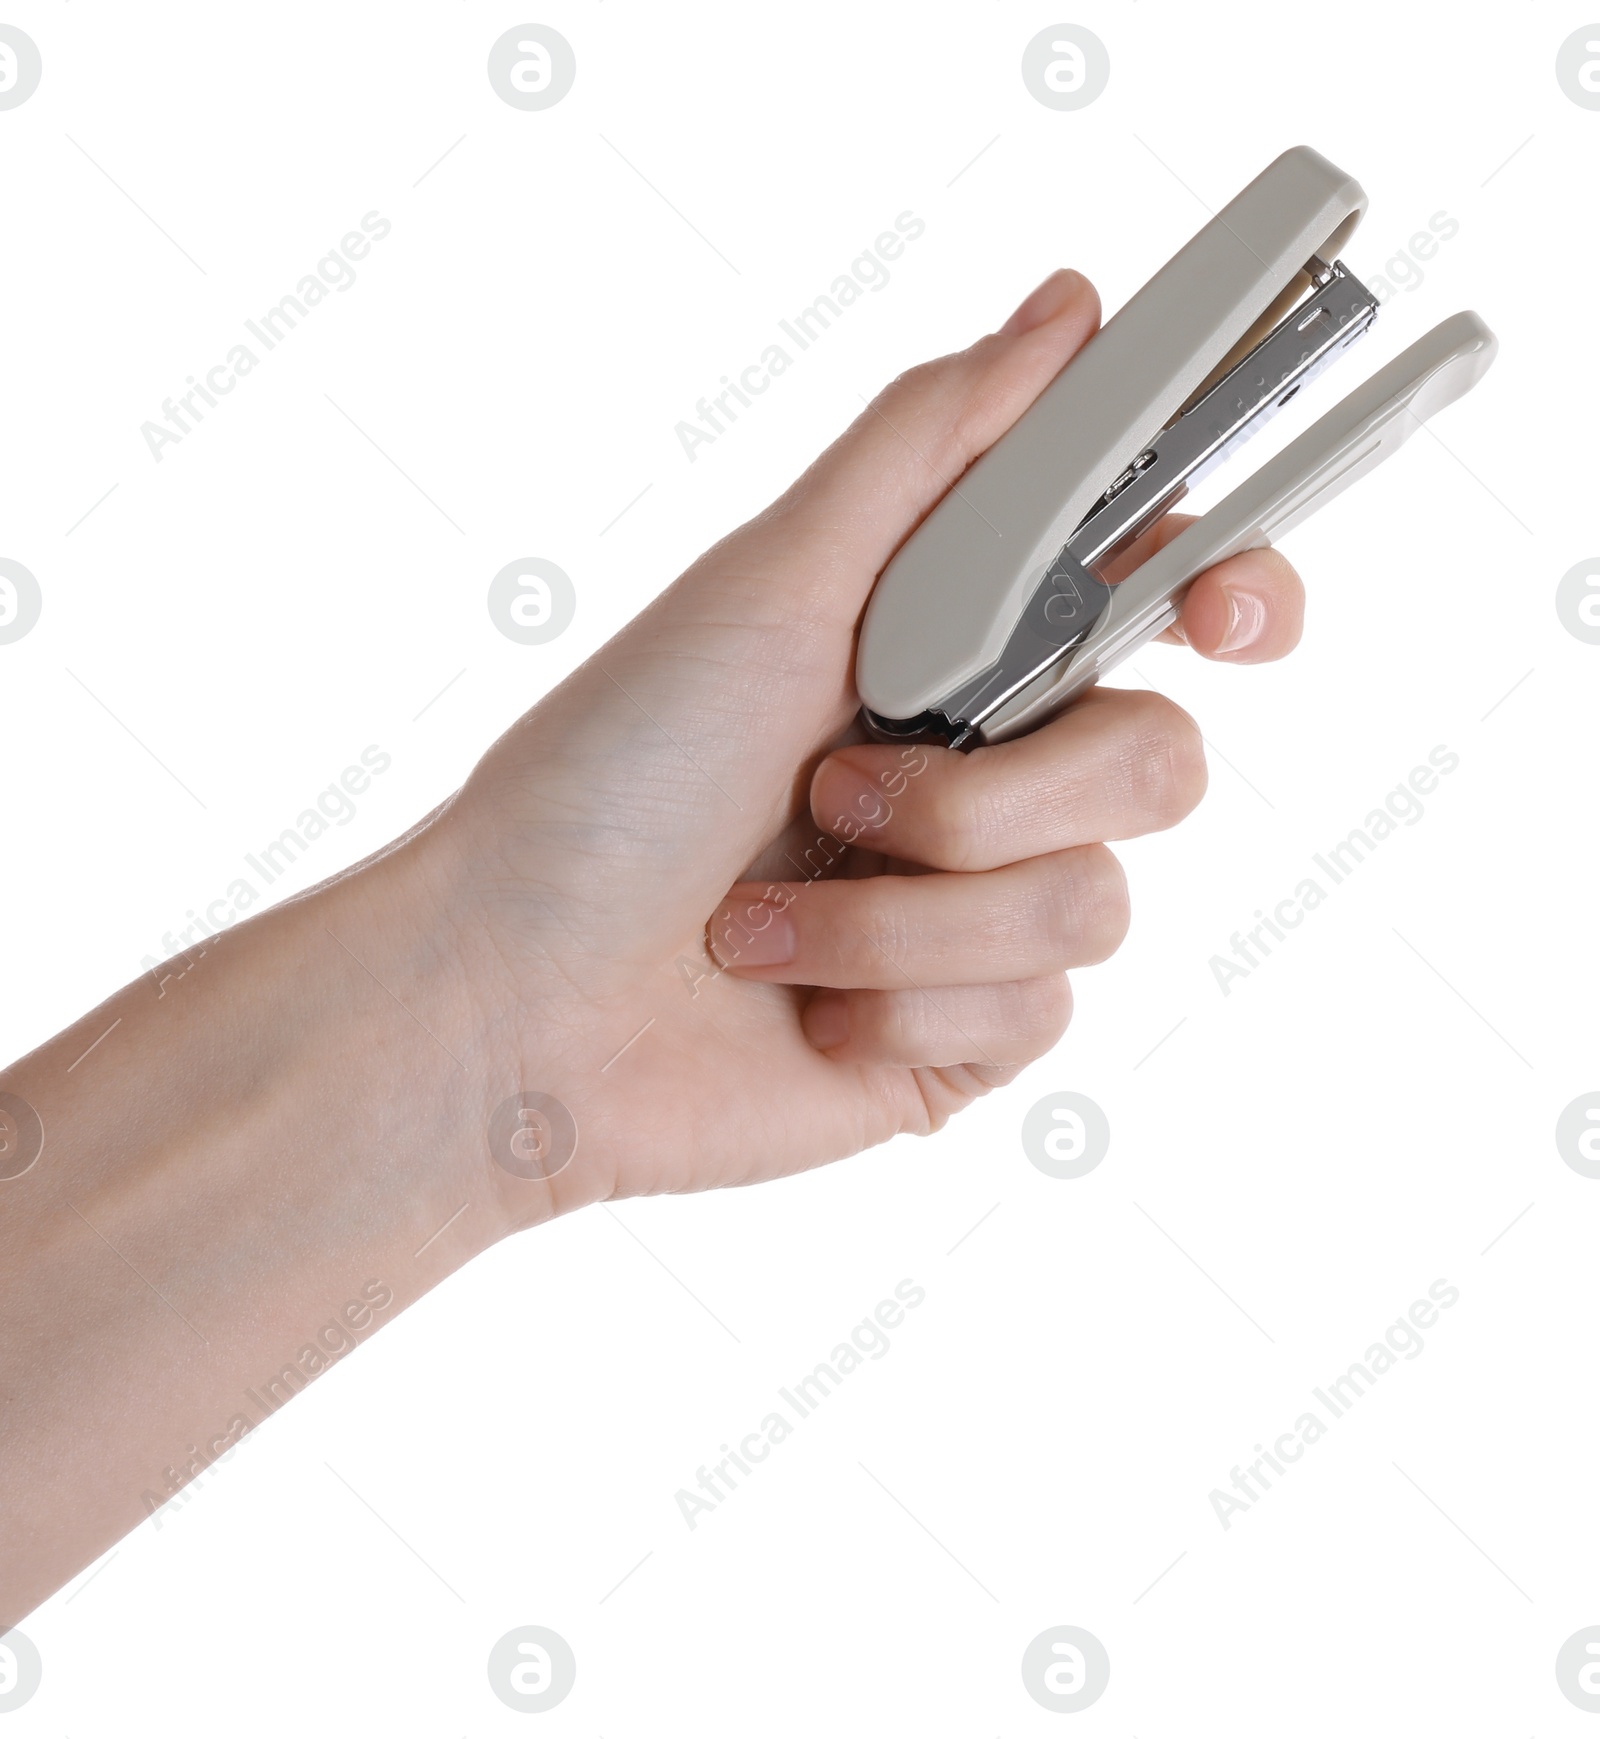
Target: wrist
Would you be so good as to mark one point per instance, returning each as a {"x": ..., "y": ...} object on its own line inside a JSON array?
[
  {"x": 378, "y": 965},
  {"x": 440, "y": 1026}
]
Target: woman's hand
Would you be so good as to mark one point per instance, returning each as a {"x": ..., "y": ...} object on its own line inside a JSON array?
[
  {"x": 646, "y": 880},
  {"x": 639, "y": 905}
]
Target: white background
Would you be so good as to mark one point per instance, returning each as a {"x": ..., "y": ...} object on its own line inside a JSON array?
[{"x": 1289, "y": 1170}]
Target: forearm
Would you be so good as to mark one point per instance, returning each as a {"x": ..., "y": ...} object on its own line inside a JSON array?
[{"x": 247, "y": 1160}]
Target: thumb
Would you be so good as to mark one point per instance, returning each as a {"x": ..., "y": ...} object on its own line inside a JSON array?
[
  {"x": 781, "y": 596},
  {"x": 818, "y": 549}
]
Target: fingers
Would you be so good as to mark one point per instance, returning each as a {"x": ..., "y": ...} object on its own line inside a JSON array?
[
  {"x": 1117, "y": 764},
  {"x": 898, "y": 932},
  {"x": 997, "y": 1025},
  {"x": 1249, "y": 609}
]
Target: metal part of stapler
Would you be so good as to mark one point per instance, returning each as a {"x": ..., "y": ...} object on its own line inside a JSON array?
[{"x": 993, "y": 615}]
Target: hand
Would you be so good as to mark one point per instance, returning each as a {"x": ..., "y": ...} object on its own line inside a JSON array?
[
  {"x": 702, "y": 766},
  {"x": 282, "y": 1137}
]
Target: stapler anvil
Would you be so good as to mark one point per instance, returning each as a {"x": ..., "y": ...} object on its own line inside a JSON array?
[{"x": 993, "y": 614}]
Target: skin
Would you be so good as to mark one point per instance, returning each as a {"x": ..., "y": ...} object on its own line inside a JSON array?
[{"x": 619, "y": 909}]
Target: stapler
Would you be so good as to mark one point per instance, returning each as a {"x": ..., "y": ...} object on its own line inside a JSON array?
[{"x": 993, "y": 615}]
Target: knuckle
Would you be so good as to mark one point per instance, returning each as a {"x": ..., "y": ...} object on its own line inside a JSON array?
[
  {"x": 1043, "y": 1015},
  {"x": 878, "y": 932},
  {"x": 891, "y": 1022},
  {"x": 1166, "y": 765},
  {"x": 1106, "y": 899},
  {"x": 958, "y": 820},
  {"x": 944, "y": 399},
  {"x": 923, "y": 380},
  {"x": 1084, "y": 915}
]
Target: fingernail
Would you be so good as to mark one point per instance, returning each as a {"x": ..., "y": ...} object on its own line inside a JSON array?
[
  {"x": 1247, "y": 617},
  {"x": 752, "y": 933},
  {"x": 1044, "y": 303},
  {"x": 826, "y": 1020}
]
